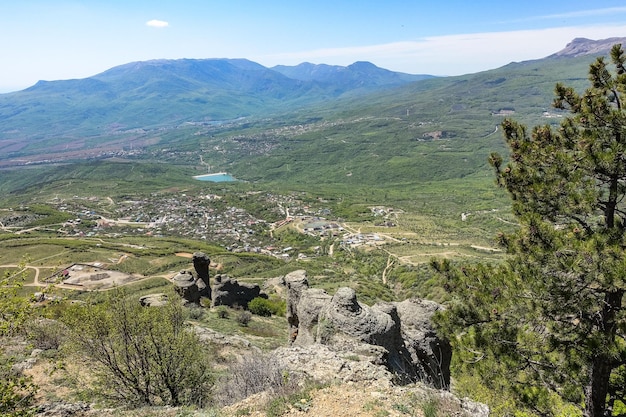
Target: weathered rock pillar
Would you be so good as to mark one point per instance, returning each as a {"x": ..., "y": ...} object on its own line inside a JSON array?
[
  {"x": 296, "y": 282},
  {"x": 201, "y": 264}
]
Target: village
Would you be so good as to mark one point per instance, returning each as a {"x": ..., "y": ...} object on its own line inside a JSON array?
[{"x": 209, "y": 217}]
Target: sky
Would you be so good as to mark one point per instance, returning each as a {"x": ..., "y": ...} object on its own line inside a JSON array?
[{"x": 67, "y": 39}]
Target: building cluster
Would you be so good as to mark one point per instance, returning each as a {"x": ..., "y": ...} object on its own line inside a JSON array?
[
  {"x": 239, "y": 223},
  {"x": 219, "y": 219}
]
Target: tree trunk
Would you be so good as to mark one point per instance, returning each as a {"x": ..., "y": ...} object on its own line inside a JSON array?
[
  {"x": 602, "y": 364},
  {"x": 598, "y": 387}
]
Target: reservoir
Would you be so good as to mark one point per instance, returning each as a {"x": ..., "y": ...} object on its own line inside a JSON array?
[{"x": 217, "y": 177}]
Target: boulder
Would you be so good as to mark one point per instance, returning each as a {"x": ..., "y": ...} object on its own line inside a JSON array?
[
  {"x": 296, "y": 282},
  {"x": 310, "y": 328},
  {"x": 192, "y": 287},
  {"x": 153, "y": 300},
  {"x": 432, "y": 353},
  {"x": 188, "y": 287}
]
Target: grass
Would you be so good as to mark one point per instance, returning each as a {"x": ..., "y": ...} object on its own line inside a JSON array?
[
  {"x": 429, "y": 409},
  {"x": 148, "y": 286},
  {"x": 264, "y": 332},
  {"x": 300, "y": 400}
]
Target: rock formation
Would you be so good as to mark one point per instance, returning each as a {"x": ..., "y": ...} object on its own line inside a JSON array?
[
  {"x": 153, "y": 300},
  {"x": 583, "y": 46},
  {"x": 201, "y": 264},
  {"x": 432, "y": 353},
  {"x": 191, "y": 287},
  {"x": 398, "y": 335},
  {"x": 229, "y": 292},
  {"x": 188, "y": 286}
]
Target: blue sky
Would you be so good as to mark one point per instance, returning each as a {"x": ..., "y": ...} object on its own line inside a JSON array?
[{"x": 63, "y": 39}]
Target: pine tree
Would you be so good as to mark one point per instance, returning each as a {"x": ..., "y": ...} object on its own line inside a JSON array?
[{"x": 552, "y": 315}]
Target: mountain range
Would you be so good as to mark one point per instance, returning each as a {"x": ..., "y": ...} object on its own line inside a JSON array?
[
  {"x": 369, "y": 110},
  {"x": 168, "y": 92}
]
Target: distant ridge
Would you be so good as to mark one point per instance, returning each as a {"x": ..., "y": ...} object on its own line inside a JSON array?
[
  {"x": 150, "y": 100},
  {"x": 163, "y": 92},
  {"x": 355, "y": 74},
  {"x": 583, "y": 46}
]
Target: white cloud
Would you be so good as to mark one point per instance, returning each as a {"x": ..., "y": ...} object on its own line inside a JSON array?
[
  {"x": 157, "y": 23},
  {"x": 454, "y": 54},
  {"x": 610, "y": 11}
]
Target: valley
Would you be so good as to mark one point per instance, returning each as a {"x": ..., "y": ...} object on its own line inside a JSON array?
[
  {"x": 375, "y": 185},
  {"x": 296, "y": 227}
]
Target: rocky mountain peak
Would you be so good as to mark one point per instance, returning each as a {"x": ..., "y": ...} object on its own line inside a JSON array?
[{"x": 584, "y": 46}]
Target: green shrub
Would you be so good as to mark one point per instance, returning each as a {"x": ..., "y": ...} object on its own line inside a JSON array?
[
  {"x": 196, "y": 313},
  {"x": 260, "y": 306},
  {"x": 222, "y": 312},
  {"x": 265, "y": 307},
  {"x": 16, "y": 392},
  {"x": 141, "y": 356}
]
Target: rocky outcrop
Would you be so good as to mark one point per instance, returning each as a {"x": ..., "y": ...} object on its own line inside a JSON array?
[
  {"x": 153, "y": 300},
  {"x": 358, "y": 363},
  {"x": 201, "y": 264},
  {"x": 63, "y": 409},
  {"x": 193, "y": 287},
  {"x": 298, "y": 287},
  {"x": 359, "y": 367},
  {"x": 427, "y": 349},
  {"x": 583, "y": 46},
  {"x": 229, "y": 292},
  {"x": 188, "y": 286},
  {"x": 398, "y": 335},
  {"x": 233, "y": 342}
]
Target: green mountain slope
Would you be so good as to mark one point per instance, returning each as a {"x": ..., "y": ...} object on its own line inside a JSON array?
[
  {"x": 169, "y": 92},
  {"x": 438, "y": 129}
]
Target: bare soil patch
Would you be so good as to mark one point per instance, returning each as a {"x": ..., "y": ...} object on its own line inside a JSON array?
[{"x": 92, "y": 277}]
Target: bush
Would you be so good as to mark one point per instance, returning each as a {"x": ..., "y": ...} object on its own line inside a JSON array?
[
  {"x": 260, "y": 306},
  {"x": 265, "y": 308},
  {"x": 253, "y": 375},
  {"x": 196, "y": 313},
  {"x": 141, "y": 355},
  {"x": 16, "y": 392},
  {"x": 222, "y": 312},
  {"x": 244, "y": 317},
  {"x": 45, "y": 333}
]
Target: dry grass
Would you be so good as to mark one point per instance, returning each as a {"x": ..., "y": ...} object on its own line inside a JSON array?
[{"x": 255, "y": 374}]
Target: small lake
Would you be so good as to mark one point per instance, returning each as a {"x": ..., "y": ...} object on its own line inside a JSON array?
[{"x": 217, "y": 177}]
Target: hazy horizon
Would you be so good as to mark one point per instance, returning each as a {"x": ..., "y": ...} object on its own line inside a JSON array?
[{"x": 65, "y": 39}]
